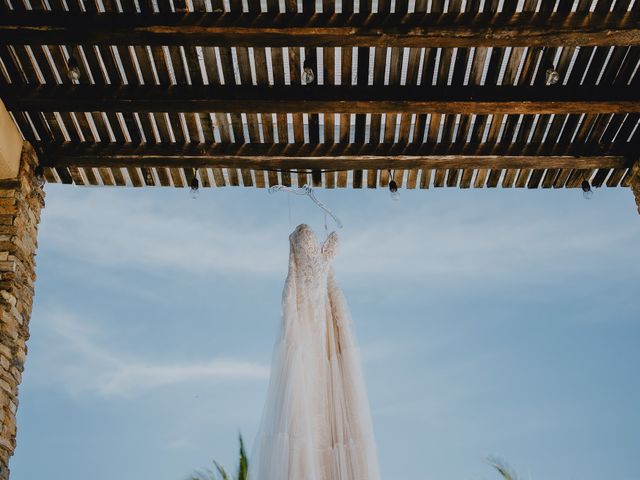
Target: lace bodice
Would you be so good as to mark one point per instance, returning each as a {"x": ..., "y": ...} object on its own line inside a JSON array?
[{"x": 310, "y": 258}]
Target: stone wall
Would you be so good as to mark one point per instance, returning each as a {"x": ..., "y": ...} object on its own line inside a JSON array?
[
  {"x": 635, "y": 188},
  {"x": 21, "y": 200}
]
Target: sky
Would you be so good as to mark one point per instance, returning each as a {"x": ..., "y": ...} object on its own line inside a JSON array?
[{"x": 491, "y": 323}]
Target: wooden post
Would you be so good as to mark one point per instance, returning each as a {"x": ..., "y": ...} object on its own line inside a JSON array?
[
  {"x": 10, "y": 145},
  {"x": 21, "y": 199}
]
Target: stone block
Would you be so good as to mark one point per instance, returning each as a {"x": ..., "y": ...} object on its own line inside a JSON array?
[
  {"x": 8, "y": 297},
  {"x": 7, "y": 266},
  {"x": 4, "y": 385},
  {"x": 6, "y": 443}
]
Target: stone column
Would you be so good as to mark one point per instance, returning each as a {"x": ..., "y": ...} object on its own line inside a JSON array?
[
  {"x": 634, "y": 182},
  {"x": 635, "y": 188},
  {"x": 21, "y": 199}
]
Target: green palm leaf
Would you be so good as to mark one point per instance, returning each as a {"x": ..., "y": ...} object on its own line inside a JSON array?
[
  {"x": 223, "y": 473},
  {"x": 503, "y": 469},
  {"x": 243, "y": 468}
]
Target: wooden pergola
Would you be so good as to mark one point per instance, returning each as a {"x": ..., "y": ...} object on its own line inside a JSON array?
[
  {"x": 442, "y": 93},
  {"x": 330, "y": 93}
]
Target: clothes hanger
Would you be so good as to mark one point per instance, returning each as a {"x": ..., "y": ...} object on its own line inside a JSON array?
[{"x": 308, "y": 191}]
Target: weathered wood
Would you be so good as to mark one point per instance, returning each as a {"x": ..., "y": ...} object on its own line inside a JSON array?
[
  {"x": 332, "y": 156},
  {"x": 10, "y": 145},
  {"x": 321, "y": 99},
  {"x": 310, "y": 29},
  {"x": 441, "y": 78}
]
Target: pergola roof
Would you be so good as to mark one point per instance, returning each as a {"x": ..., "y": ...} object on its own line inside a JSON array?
[{"x": 437, "y": 93}]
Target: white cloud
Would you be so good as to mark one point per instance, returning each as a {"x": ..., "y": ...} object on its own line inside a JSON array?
[
  {"x": 141, "y": 376},
  {"x": 79, "y": 361},
  {"x": 232, "y": 237},
  {"x": 113, "y": 230},
  {"x": 454, "y": 244}
]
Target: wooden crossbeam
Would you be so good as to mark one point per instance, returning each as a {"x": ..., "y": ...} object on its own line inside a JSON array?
[
  {"x": 322, "y": 99},
  {"x": 306, "y": 29},
  {"x": 333, "y": 156}
]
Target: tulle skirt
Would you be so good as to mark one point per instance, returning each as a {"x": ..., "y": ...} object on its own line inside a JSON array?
[{"x": 316, "y": 423}]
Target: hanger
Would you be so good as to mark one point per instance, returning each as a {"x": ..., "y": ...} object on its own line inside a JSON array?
[{"x": 308, "y": 191}]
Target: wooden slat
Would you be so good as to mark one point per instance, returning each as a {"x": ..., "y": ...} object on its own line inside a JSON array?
[
  {"x": 600, "y": 177},
  {"x": 425, "y": 178},
  {"x": 535, "y": 178},
  {"x": 492, "y": 137},
  {"x": 522, "y": 178},
  {"x": 494, "y": 177},
  {"x": 12, "y": 64},
  {"x": 549, "y": 177},
  {"x": 615, "y": 177},
  {"x": 509, "y": 178},
  {"x": 577, "y": 176},
  {"x": 561, "y": 178},
  {"x": 481, "y": 178},
  {"x": 465, "y": 179}
]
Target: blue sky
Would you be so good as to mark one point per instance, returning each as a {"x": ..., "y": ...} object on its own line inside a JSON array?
[{"x": 491, "y": 322}]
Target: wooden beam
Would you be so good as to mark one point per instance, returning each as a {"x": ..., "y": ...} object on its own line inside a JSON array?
[
  {"x": 322, "y": 99},
  {"x": 10, "y": 145},
  {"x": 307, "y": 29},
  {"x": 332, "y": 156}
]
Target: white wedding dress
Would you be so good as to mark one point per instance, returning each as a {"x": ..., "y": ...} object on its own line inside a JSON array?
[{"x": 316, "y": 423}]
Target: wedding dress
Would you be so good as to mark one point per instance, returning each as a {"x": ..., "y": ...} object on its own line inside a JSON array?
[{"x": 316, "y": 423}]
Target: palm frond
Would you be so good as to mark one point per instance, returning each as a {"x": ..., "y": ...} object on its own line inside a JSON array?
[
  {"x": 203, "y": 475},
  {"x": 223, "y": 473},
  {"x": 243, "y": 468},
  {"x": 503, "y": 468}
]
